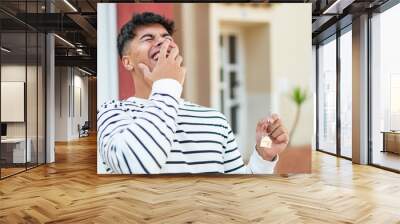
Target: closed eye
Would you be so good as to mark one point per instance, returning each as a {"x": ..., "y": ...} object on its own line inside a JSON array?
[
  {"x": 167, "y": 36},
  {"x": 150, "y": 37},
  {"x": 147, "y": 37}
]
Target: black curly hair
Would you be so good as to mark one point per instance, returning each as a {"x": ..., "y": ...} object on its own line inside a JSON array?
[{"x": 127, "y": 32}]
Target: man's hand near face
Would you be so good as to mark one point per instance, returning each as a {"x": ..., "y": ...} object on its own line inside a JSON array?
[
  {"x": 169, "y": 66},
  {"x": 274, "y": 129}
]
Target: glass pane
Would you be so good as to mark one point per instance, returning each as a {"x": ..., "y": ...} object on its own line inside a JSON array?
[
  {"x": 232, "y": 49},
  {"x": 31, "y": 83},
  {"x": 31, "y": 99},
  {"x": 232, "y": 84},
  {"x": 346, "y": 94},
  {"x": 222, "y": 103},
  {"x": 221, "y": 75},
  {"x": 13, "y": 87},
  {"x": 41, "y": 98},
  {"x": 327, "y": 97},
  {"x": 234, "y": 117},
  {"x": 386, "y": 89},
  {"x": 394, "y": 102}
]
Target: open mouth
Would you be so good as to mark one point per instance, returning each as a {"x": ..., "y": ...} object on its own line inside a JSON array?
[{"x": 156, "y": 54}]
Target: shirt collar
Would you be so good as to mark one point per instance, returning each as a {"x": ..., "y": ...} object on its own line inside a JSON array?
[{"x": 143, "y": 100}]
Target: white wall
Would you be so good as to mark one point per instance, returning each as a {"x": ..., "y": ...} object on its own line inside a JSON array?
[
  {"x": 278, "y": 56},
  {"x": 291, "y": 65},
  {"x": 33, "y": 126},
  {"x": 79, "y": 117},
  {"x": 12, "y": 73},
  {"x": 314, "y": 96},
  {"x": 67, "y": 115},
  {"x": 258, "y": 79},
  {"x": 15, "y": 72},
  {"x": 61, "y": 103},
  {"x": 281, "y": 57},
  {"x": 107, "y": 54}
]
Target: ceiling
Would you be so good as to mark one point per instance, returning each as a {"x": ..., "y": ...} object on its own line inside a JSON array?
[
  {"x": 332, "y": 15},
  {"x": 76, "y": 22}
]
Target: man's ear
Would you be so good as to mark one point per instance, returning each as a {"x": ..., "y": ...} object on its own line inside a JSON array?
[{"x": 126, "y": 62}]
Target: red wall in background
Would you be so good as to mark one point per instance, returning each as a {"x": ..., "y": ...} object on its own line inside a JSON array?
[{"x": 125, "y": 12}]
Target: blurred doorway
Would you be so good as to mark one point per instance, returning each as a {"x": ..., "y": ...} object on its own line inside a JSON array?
[{"x": 231, "y": 82}]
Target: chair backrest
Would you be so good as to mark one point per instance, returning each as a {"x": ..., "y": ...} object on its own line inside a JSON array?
[{"x": 86, "y": 125}]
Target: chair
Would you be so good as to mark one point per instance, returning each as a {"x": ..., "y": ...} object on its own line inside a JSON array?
[{"x": 84, "y": 130}]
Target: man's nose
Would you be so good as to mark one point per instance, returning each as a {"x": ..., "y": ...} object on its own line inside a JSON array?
[
  {"x": 159, "y": 43},
  {"x": 161, "y": 40}
]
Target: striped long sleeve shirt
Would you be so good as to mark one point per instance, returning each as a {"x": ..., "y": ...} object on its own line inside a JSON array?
[{"x": 165, "y": 134}]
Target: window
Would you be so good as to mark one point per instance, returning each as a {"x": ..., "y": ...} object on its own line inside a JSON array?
[
  {"x": 22, "y": 65},
  {"x": 394, "y": 102},
  {"x": 346, "y": 93},
  {"x": 385, "y": 89},
  {"x": 327, "y": 96}
]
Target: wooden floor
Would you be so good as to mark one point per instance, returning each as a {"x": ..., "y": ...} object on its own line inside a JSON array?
[
  {"x": 70, "y": 191},
  {"x": 10, "y": 171},
  {"x": 387, "y": 159}
]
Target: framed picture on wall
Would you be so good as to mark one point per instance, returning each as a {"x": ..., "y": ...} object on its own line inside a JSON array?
[{"x": 12, "y": 101}]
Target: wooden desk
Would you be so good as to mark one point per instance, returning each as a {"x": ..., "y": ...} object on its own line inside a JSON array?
[{"x": 391, "y": 141}]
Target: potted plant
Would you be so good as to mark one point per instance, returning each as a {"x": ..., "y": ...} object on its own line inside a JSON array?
[{"x": 298, "y": 96}]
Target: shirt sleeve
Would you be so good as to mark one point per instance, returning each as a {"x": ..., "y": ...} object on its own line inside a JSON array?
[
  {"x": 258, "y": 165},
  {"x": 233, "y": 161},
  {"x": 139, "y": 141}
]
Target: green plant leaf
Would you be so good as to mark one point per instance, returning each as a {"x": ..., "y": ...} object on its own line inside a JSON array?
[{"x": 298, "y": 95}]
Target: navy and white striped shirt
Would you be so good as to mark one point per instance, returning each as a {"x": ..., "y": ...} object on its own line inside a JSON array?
[{"x": 165, "y": 134}]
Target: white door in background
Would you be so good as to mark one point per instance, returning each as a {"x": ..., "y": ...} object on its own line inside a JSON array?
[{"x": 232, "y": 92}]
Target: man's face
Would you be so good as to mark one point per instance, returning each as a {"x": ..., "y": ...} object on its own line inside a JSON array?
[{"x": 145, "y": 47}]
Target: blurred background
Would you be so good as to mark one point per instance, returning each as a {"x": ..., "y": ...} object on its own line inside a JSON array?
[
  {"x": 49, "y": 73},
  {"x": 246, "y": 60}
]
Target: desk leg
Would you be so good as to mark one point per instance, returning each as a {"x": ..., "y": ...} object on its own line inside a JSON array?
[{"x": 384, "y": 142}]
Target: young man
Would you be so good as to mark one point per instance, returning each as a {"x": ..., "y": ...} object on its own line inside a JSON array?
[{"x": 156, "y": 131}]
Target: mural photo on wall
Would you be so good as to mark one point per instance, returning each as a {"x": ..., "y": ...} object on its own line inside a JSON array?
[{"x": 200, "y": 95}]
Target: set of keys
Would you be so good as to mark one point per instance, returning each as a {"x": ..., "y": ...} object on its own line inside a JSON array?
[{"x": 266, "y": 142}]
